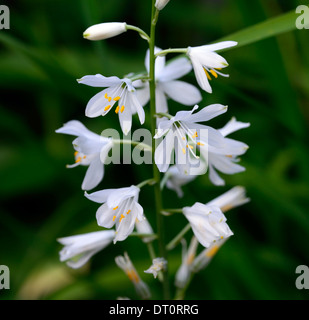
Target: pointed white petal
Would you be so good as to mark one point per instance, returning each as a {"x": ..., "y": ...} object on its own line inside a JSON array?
[
  {"x": 207, "y": 113},
  {"x": 219, "y": 45},
  {"x": 164, "y": 151},
  {"x": 99, "y": 81},
  {"x": 76, "y": 128},
  {"x": 143, "y": 95},
  {"x": 105, "y": 216},
  {"x": 232, "y": 126},
  {"x": 94, "y": 174},
  {"x": 214, "y": 177},
  {"x": 175, "y": 69},
  {"x": 159, "y": 63},
  {"x": 200, "y": 76},
  {"x": 122, "y": 194},
  {"x": 100, "y": 196}
]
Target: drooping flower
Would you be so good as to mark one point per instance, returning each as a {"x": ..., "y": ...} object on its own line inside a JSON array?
[
  {"x": 120, "y": 92},
  {"x": 90, "y": 150},
  {"x": 127, "y": 266},
  {"x": 227, "y": 163},
  {"x": 184, "y": 134},
  {"x": 160, "y": 4},
  {"x": 183, "y": 273},
  {"x": 206, "y": 62},
  {"x": 207, "y": 222},
  {"x": 104, "y": 30},
  {"x": 119, "y": 207},
  {"x": 158, "y": 264},
  {"x": 167, "y": 84},
  {"x": 80, "y": 248},
  {"x": 204, "y": 258}
]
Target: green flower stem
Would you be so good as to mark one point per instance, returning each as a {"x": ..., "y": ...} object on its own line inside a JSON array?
[
  {"x": 165, "y": 52},
  {"x": 149, "y": 181},
  {"x": 178, "y": 238},
  {"x": 142, "y": 146},
  {"x": 162, "y": 114},
  {"x": 142, "y": 33},
  {"x": 156, "y": 173}
]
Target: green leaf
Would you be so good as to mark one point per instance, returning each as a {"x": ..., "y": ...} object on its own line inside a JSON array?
[{"x": 263, "y": 30}]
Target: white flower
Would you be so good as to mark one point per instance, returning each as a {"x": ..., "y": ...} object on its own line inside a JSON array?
[
  {"x": 104, "y": 30},
  {"x": 230, "y": 199},
  {"x": 227, "y": 163},
  {"x": 127, "y": 266},
  {"x": 79, "y": 249},
  {"x": 158, "y": 264},
  {"x": 207, "y": 222},
  {"x": 119, "y": 91},
  {"x": 119, "y": 207},
  {"x": 91, "y": 150},
  {"x": 183, "y": 273},
  {"x": 167, "y": 84},
  {"x": 160, "y": 4},
  {"x": 184, "y": 135},
  {"x": 143, "y": 226},
  {"x": 203, "y": 259},
  {"x": 207, "y": 62}
]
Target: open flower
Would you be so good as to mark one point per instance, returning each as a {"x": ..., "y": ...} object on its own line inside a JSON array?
[
  {"x": 120, "y": 208},
  {"x": 80, "y": 248},
  {"x": 120, "y": 92},
  {"x": 183, "y": 134},
  {"x": 158, "y": 264},
  {"x": 206, "y": 62},
  {"x": 167, "y": 84},
  {"x": 90, "y": 150},
  {"x": 207, "y": 222},
  {"x": 227, "y": 163},
  {"x": 127, "y": 266}
]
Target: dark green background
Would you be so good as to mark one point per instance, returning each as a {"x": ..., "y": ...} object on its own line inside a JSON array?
[{"x": 41, "y": 56}]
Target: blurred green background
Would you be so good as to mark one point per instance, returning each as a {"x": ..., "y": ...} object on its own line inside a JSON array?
[{"x": 41, "y": 56}]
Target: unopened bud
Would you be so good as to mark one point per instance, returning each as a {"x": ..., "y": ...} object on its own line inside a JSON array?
[
  {"x": 160, "y": 4},
  {"x": 104, "y": 30}
]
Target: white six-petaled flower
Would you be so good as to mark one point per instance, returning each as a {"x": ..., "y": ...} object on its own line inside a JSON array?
[
  {"x": 118, "y": 91},
  {"x": 207, "y": 62},
  {"x": 207, "y": 222},
  {"x": 80, "y": 248},
  {"x": 184, "y": 134},
  {"x": 167, "y": 84},
  {"x": 125, "y": 263},
  {"x": 90, "y": 150},
  {"x": 120, "y": 208}
]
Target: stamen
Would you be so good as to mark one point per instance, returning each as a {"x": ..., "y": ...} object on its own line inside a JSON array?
[
  {"x": 84, "y": 157},
  {"x": 114, "y": 217},
  {"x": 212, "y": 251},
  {"x": 106, "y": 96},
  {"x": 117, "y": 109},
  {"x": 79, "y": 159},
  {"x": 207, "y": 74},
  {"x": 200, "y": 144},
  {"x": 128, "y": 211},
  {"x": 109, "y": 99},
  {"x": 116, "y": 98},
  {"x": 213, "y": 73},
  {"x": 75, "y": 153},
  {"x": 122, "y": 109},
  {"x": 107, "y": 107},
  {"x": 188, "y": 146},
  {"x": 115, "y": 208},
  {"x": 183, "y": 150},
  {"x": 195, "y": 135},
  {"x": 229, "y": 155},
  {"x": 121, "y": 217}
]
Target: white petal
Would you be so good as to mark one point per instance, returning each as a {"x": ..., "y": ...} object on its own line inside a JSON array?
[
  {"x": 175, "y": 69},
  {"x": 219, "y": 46},
  {"x": 76, "y": 128},
  {"x": 159, "y": 63},
  {"x": 137, "y": 106},
  {"x": 161, "y": 101},
  {"x": 232, "y": 126},
  {"x": 225, "y": 164},
  {"x": 105, "y": 216},
  {"x": 214, "y": 177},
  {"x": 182, "y": 92},
  {"x": 94, "y": 174},
  {"x": 143, "y": 94},
  {"x": 207, "y": 113},
  {"x": 99, "y": 81},
  {"x": 122, "y": 194},
  {"x": 164, "y": 151},
  {"x": 100, "y": 196},
  {"x": 200, "y": 76}
]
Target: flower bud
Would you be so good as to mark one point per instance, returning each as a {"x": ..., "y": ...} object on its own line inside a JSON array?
[
  {"x": 160, "y": 4},
  {"x": 104, "y": 30}
]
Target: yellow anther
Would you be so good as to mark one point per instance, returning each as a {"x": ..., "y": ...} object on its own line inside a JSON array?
[
  {"x": 200, "y": 144},
  {"x": 107, "y": 107},
  {"x": 117, "y": 109},
  {"x": 106, "y": 96},
  {"x": 84, "y": 157},
  {"x": 75, "y": 153},
  {"x": 121, "y": 217},
  {"x": 195, "y": 135},
  {"x": 79, "y": 159},
  {"x": 183, "y": 150},
  {"x": 116, "y": 98},
  {"x": 122, "y": 109},
  {"x": 188, "y": 146},
  {"x": 114, "y": 217},
  {"x": 128, "y": 211},
  {"x": 183, "y": 138},
  {"x": 133, "y": 276},
  {"x": 213, "y": 73},
  {"x": 109, "y": 99},
  {"x": 115, "y": 208},
  {"x": 207, "y": 74},
  {"x": 212, "y": 251},
  {"x": 229, "y": 155}
]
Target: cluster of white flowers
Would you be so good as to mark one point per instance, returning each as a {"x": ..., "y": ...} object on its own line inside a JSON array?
[{"x": 196, "y": 147}]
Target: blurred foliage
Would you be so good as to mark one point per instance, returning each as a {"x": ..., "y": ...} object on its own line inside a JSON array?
[{"x": 41, "y": 56}]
